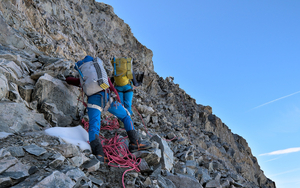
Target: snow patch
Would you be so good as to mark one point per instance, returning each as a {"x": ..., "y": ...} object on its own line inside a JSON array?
[{"x": 73, "y": 135}]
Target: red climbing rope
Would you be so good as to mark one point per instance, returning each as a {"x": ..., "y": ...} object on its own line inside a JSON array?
[
  {"x": 85, "y": 124},
  {"x": 142, "y": 121},
  {"x": 111, "y": 124},
  {"x": 118, "y": 154},
  {"x": 115, "y": 148}
]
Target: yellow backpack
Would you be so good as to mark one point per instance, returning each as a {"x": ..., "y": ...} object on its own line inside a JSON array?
[{"x": 122, "y": 70}]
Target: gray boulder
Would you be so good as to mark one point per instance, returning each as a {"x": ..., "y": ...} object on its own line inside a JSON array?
[
  {"x": 51, "y": 90},
  {"x": 16, "y": 117},
  {"x": 184, "y": 181},
  {"x": 56, "y": 179},
  {"x": 166, "y": 153}
]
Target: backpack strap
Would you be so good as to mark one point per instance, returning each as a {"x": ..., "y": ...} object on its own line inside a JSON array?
[
  {"x": 128, "y": 66},
  {"x": 115, "y": 69},
  {"x": 105, "y": 98},
  {"x": 80, "y": 73}
]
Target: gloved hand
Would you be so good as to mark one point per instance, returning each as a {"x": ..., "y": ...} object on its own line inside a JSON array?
[
  {"x": 139, "y": 79},
  {"x": 70, "y": 79}
]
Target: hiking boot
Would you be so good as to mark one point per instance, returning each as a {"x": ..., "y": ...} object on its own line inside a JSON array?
[
  {"x": 135, "y": 144},
  {"x": 134, "y": 147},
  {"x": 97, "y": 149},
  {"x": 102, "y": 159}
]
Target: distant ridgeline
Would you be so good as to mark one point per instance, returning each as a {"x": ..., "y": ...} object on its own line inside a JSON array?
[{"x": 40, "y": 40}]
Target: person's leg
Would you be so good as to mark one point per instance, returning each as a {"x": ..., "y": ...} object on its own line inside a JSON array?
[
  {"x": 120, "y": 112},
  {"x": 134, "y": 145},
  {"x": 121, "y": 95},
  {"x": 126, "y": 94},
  {"x": 94, "y": 112},
  {"x": 128, "y": 101},
  {"x": 94, "y": 123}
]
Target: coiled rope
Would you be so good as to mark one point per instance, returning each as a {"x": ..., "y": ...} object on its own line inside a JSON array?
[{"x": 115, "y": 149}]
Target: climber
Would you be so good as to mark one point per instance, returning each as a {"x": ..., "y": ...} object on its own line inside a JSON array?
[
  {"x": 101, "y": 96},
  {"x": 124, "y": 79}
]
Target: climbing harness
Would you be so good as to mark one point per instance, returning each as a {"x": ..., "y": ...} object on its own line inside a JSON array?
[{"x": 129, "y": 90}]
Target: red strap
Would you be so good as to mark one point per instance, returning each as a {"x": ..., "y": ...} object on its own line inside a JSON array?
[{"x": 112, "y": 88}]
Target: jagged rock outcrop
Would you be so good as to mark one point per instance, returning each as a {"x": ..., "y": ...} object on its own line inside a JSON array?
[{"x": 39, "y": 42}]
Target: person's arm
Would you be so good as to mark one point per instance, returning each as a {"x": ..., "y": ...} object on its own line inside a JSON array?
[
  {"x": 135, "y": 83},
  {"x": 112, "y": 88},
  {"x": 73, "y": 81}
]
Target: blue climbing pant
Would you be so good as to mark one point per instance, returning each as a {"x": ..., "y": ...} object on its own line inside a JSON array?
[
  {"x": 94, "y": 112},
  {"x": 126, "y": 97}
]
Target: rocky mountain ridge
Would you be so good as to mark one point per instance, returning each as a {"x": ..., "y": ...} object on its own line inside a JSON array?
[{"x": 39, "y": 42}]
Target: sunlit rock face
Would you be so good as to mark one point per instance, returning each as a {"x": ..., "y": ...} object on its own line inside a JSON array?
[{"x": 40, "y": 40}]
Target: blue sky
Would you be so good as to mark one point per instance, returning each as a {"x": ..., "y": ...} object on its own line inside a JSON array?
[{"x": 239, "y": 57}]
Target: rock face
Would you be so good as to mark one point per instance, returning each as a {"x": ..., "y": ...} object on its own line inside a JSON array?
[{"x": 39, "y": 42}]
